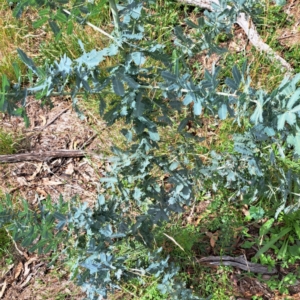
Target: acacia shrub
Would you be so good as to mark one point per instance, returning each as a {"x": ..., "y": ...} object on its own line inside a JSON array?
[{"x": 146, "y": 96}]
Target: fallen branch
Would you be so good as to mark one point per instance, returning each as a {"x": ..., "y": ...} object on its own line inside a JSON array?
[
  {"x": 44, "y": 156},
  {"x": 239, "y": 262},
  {"x": 248, "y": 26}
]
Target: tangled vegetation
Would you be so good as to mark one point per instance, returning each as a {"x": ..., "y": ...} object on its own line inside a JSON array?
[{"x": 152, "y": 83}]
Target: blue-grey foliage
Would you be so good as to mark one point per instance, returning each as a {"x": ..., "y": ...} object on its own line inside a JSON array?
[{"x": 92, "y": 237}]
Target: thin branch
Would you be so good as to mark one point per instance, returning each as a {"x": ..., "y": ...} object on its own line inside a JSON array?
[
  {"x": 150, "y": 87},
  {"x": 173, "y": 240},
  {"x": 88, "y": 141},
  {"x": 45, "y": 156},
  {"x": 15, "y": 244},
  {"x": 288, "y": 36},
  {"x": 97, "y": 29},
  {"x": 55, "y": 117}
]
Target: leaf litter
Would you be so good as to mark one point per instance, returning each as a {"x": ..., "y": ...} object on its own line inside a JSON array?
[{"x": 29, "y": 276}]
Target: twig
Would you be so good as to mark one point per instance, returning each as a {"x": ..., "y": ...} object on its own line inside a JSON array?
[
  {"x": 287, "y": 36},
  {"x": 246, "y": 260},
  {"x": 15, "y": 244},
  {"x": 33, "y": 35},
  {"x": 55, "y": 117},
  {"x": 150, "y": 87},
  {"x": 88, "y": 141},
  {"x": 97, "y": 29},
  {"x": 169, "y": 237}
]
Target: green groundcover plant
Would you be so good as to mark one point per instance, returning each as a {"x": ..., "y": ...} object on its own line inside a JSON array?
[{"x": 150, "y": 86}]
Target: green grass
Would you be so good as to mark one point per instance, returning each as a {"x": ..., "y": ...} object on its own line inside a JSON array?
[
  {"x": 187, "y": 238},
  {"x": 216, "y": 285},
  {"x": 68, "y": 44},
  {"x": 6, "y": 248},
  {"x": 7, "y": 146},
  {"x": 164, "y": 15},
  {"x": 264, "y": 72},
  {"x": 136, "y": 290},
  {"x": 12, "y": 142},
  {"x": 7, "y": 143},
  {"x": 292, "y": 56},
  {"x": 11, "y": 33},
  {"x": 272, "y": 18}
]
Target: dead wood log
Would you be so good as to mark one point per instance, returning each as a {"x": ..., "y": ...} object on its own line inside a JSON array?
[
  {"x": 42, "y": 156},
  {"x": 239, "y": 262},
  {"x": 248, "y": 26}
]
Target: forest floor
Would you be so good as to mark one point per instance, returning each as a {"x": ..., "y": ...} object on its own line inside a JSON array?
[{"x": 25, "y": 275}]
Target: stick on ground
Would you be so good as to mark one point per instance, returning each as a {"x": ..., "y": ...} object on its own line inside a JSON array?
[{"x": 42, "y": 156}]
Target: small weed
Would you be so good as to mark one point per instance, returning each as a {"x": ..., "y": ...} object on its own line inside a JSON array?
[
  {"x": 178, "y": 241},
  {"x": 222, "y": 37},
  {"x": 152, "y": 293},
  {"x": 263, "y": 73},
  {"x": 229, "y": 60},
  {"x": 5, "y": 247},
  {"x": 274, "y": 283},
  {"x": 206, "y": 282},
  {"x": 12, "y": 142},
  {"x": 136, "y": 290},
  {"x": 292, "y": 56},
  {"x": 7, "y": 143},
  {"x": 183, "y": 244}
]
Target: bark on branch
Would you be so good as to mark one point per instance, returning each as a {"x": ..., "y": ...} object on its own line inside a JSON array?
[
  {"x": 238, "y": 262},
  {"x": 248, "y": 26}
]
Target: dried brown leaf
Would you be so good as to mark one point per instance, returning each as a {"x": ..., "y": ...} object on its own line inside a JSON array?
[
  {"x": 70, "y": 169},
  {"x": 38, "y": 169},
  {"x": 22, "y": 181},
  {"x": 42, "y": 192},
  {"x": 18, "y": 270},
  {"x": 213, "y": 238},
  {"x": 44, "y": 120}
]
